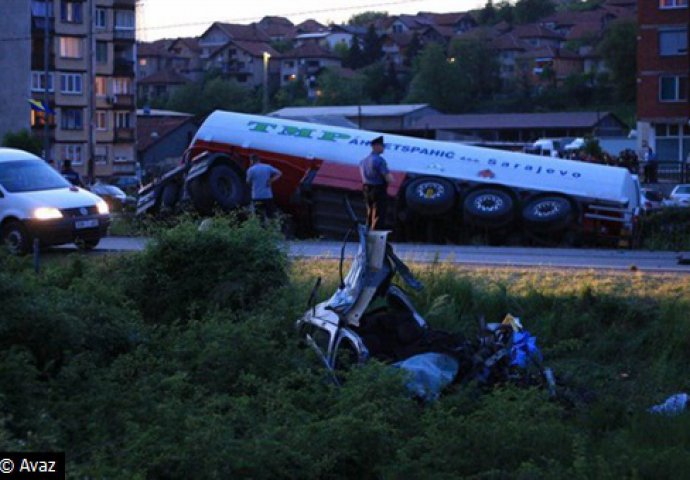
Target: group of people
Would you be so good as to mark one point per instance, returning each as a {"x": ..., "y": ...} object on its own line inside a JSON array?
[{"x": 628, "y": 159}]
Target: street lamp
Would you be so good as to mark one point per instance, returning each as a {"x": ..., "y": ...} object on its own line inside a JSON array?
[{"x": 267, "y": 56}]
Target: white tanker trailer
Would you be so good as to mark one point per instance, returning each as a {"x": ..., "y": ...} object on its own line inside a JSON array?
[{"x": 462, "y": 187}]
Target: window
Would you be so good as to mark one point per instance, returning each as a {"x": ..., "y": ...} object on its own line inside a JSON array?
[
  {"x": 101, "y": 18},
  {"x": 142, "y": 62},
  {"x": 123, "y": 120},
  {"x": 71, "y": 47},
  {"x": 673, "y": 3},
  {"x": 673, "y": 42},
  {"x": 72, "y": 119},
  {"x": 70, "y": 12},
  {"x": 38, "y": 8},
  {"x": 101, "y": 120},
  {"x": 122, "y": 86},
  {"x": 73, "y": 152},
  {"x": 70, "y": 83},
  {"x": 124, "y": 19},
  {"x": 673, "y": 89},
  {"x": 100, "y": 155},
  {"x": 38, "y": 119},
  {"x": 101, "y": 52},
  {"x": 100, "y": 85},
  {"x": 38, "y": 82}
]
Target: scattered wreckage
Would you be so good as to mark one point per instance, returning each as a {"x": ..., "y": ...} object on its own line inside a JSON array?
[{"x": 349, "y": 329}]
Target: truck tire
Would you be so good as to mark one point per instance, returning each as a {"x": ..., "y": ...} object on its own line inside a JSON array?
[
  {"x": 430, "y": 196},
  {"x": 226, "y": 187},
  {"x": 489, "y": 207},
  {"x": 169, "y": 195},
  {"x": 201, "y": 197},
  {"x": 547, "y": 213},
  {"x": 16, "y": 238}
]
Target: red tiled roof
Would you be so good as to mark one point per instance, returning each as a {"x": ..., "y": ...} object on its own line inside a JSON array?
[
  {"x": 248, "y": 33},
  {"x": 310, "y": 26},
  {"x": 309, "y": 50},
  {"x": 191, "y": 43},
  {"x": 450, "y": 19},
  {"x": 167, "y": 77},
  {"x": 275, "y": 20},
  {"x": 153, "y": 49},
  {"x": 255, "y": 49},
  {"x": 584, "y": 30},
  {"x": 152, "y": 129},
  {"x": 534, "y": 30},
  {"x": 509, "y": 41}
]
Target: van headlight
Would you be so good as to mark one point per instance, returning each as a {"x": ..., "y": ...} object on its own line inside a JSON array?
[
  {"x": 102, "y": 208},
  {"x": 47, "y": 213}
]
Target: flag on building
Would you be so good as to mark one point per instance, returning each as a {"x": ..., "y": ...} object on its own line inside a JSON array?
[{"x": 39, "y": 106}]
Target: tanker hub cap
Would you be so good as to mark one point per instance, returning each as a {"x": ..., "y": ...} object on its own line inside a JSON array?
[
  {"x": 430, "y": 190},
  {"x": 488, "y": 203},
  {"x": 546, "y": 208}
]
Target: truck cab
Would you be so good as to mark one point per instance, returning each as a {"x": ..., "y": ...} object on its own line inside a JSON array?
[{"x": 545, "y": 147}]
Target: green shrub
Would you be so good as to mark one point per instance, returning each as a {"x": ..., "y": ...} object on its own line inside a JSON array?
[
  {"x": 185, "y": 273},
  {"x": 667, "y": 229}
]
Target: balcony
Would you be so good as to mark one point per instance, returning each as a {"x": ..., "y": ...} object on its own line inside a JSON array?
[
  {"x": 123, "y": 67},
  {"x": 37, "y": 60},
  {"x": 124, "y": 33},
  {"x": 233, "y": 68},
  {"x": 127, "y": 4},
  {"x": 123, "y": 101},
  {"x": 124, "y": 135},
  {"x": 38, "y": 26}
]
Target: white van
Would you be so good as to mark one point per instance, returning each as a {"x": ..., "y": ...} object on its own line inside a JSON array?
[{"x": 36, "y": 202}]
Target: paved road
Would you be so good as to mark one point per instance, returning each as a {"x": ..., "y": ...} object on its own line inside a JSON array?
[{"x": 472, "y": 256}]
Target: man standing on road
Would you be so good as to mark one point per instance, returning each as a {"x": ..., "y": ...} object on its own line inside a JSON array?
[
  {"x": 260, "y": 177},
  {"x": 70, "y": 174},
  {"x": 375, "y": 180}
]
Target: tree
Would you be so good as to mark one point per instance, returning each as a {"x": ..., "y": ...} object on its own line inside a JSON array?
[
  {"x": 528, "y": 11},
  {"x": 339, "y": 90},
  {"x": 23, "y": 140},
  {"x": 371, "y": 51},
  {"x": 292, "y": 94},
  {"x": 214, "y": 93},
  {"x": 366, "y": 18},
  {"x": 487, "y": 15},
  {"x": 619, "y": 50},
  {"x": 413, "y": 49},
  {"x": 505, "y": 12},
  {"x": 381, "y": 83},
  {"x": 354, "y": 58},
  {"x": 478, "y": 64},
  {"x": 439, "y": 82},
  {"x": 282, "y": 45}
]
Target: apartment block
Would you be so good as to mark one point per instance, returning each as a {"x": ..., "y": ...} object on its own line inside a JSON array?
[
  {"x": 663, "y": 62},
  {"x": 89, "y": 80}
]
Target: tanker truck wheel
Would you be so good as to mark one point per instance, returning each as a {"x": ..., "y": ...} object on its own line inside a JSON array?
[
  {"x": 226, "y": 187},
  {"x": 169, "y": 195},
  {"x": 430, "y": 196},
  {"x": 200, "y": 195},
  {"x": 547, "y": 213},
  {"x": 489, "y": 207}
]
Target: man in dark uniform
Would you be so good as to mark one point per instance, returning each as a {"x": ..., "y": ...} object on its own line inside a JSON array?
[{"x": 375, "y": 180}]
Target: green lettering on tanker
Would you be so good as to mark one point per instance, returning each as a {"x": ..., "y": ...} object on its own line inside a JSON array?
[
  {"x": 261, "y": 126},
  {"x": 297, "y": 132},
  {"x": 333, "y": 136}
]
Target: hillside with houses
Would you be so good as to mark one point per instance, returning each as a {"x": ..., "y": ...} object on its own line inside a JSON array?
[{"x": 533, "y": 55}]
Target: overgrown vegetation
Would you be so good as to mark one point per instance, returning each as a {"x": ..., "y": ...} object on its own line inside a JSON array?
[
  {"x": 667, "y": 229},
  {"x": 119, "y": 363}
]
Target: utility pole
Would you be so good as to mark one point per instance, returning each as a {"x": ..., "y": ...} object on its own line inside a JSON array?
[
  {"x": 46, "y": 42},
  {"x": 91, "y": 75}
]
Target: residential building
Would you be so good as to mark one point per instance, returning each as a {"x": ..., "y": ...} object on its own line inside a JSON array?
[
  {"x": 245, "y": 62},
  {"x": 663, "y": 63},
  {"x": 93, "y": 101},
  {"x": 278, "y": 28},
  {"x": 305, "y": 63},
  {"x": 161, "y": 84}
]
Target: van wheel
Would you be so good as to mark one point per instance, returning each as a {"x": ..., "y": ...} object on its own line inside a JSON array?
[
  {"x": 16, "y": 238},
  {"x": 489, "y": 207},
  {"x": 430, "y": 196},
  {"x": 226, "y": 187},
  {"x": 547, "y": 213}
]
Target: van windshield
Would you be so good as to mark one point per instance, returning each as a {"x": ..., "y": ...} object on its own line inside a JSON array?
[{"x": 30, "y": 176}]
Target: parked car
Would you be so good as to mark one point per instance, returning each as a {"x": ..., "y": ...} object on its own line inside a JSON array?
[
  {"x": 129, "y": 183},
  {"x": 680, "y": 195},
  {"x": 114, "y": 197},
  {"x": 36, "y": 202},
  {"x": 652, "y": 199}
]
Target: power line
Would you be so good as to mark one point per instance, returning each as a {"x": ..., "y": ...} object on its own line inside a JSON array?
[{"x": 243, "y": 19}]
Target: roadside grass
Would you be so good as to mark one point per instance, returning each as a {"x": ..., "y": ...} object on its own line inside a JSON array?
[{"x": 181, "y": 362}]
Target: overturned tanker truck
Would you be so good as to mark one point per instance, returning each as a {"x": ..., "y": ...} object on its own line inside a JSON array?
[{"x": 454, "y": 187}]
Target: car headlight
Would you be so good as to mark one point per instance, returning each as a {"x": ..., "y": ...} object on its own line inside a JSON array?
[
  {"x": 102, "y": 208},
  {"x": 47, "y": 213}
]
